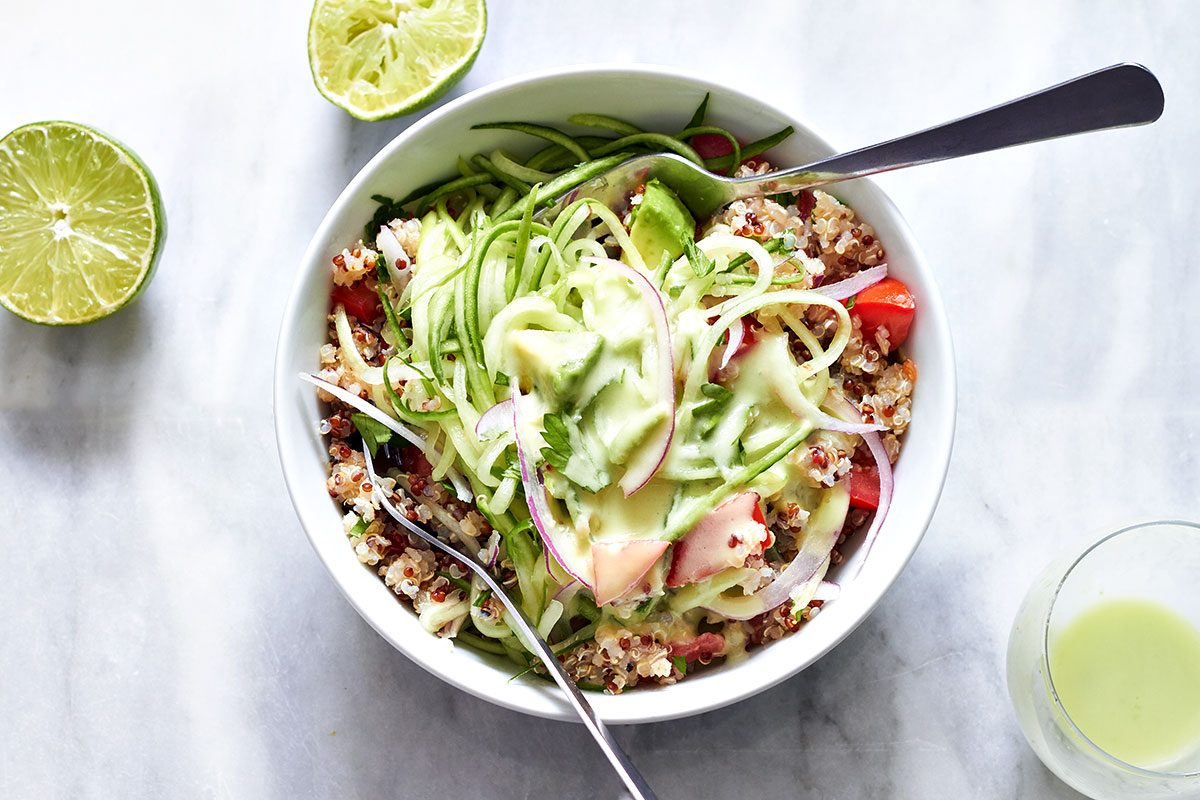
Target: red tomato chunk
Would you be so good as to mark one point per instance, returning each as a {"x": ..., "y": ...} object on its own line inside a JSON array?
[
  {"x": 888, "y": 305},
  {"x": 360, "y": 301}
]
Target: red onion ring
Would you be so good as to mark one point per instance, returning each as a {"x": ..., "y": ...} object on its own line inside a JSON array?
[
  {"x": 854, "y": 284},
  {"x": 736, "y": 337},
  {"x": 813, "y": 553},
  {"x": 535, "y": 498},
  {"x": 799, "y": 405},
  {"x": 563, "y": 589},
  {"x": 827, "y": 591},
  {"x": 495, "y": 420},
  {"x": 645, "y": 463},
  {"x": 886, "y": 480}
]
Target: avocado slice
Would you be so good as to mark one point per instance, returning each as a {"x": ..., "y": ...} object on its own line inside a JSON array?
[
  {"x": 661, "y": 224},
  {"x": 555, "y": 361}
]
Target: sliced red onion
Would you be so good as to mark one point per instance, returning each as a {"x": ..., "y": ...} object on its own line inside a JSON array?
[
  {"x": 827, "y": 591},
  {"x": 830, "y": 423},
  {"x": 846, "y": 409},
  {"x": 539, "y": 509},
  {"x": 371, "y": 411},
  {"x": 800, "y": 405},
  {"x": 495, "y": 421},
  {"x": 642, "y": 466},
  {"x": 563, "y": 590},
  {"x": 394, "y": 253},
  {"x": 854, "y": 284},
  {"x": 737, "y": 334},
  {"x": 490, "y": 553}
]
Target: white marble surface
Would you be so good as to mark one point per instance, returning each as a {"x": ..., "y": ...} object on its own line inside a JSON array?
[{"x": 166, "y": 634}]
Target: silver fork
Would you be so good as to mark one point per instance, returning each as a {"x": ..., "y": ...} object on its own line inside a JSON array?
[
  {"x": 625, "y": 769},
  {"x": 1113, "y": 97}
]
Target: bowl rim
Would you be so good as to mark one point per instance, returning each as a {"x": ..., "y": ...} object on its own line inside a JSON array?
[{"x": 867, "y": 597}]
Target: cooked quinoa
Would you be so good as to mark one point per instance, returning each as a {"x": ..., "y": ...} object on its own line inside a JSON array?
[{"x": 829, "y": 243}]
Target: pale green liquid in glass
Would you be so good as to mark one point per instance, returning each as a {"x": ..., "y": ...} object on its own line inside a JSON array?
[{"x": 1128, "y": 674}]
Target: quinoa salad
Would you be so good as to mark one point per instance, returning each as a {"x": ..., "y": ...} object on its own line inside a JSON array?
[{"x": 660, "y": 433}]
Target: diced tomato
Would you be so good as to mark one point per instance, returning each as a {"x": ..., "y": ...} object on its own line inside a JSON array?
[
  {"x": 711, "y": 145},
  {"x": 359, "y": 300},
  {"x": 889, "y": 305},
  {"x": 706, "y": 645},
  {"x": 864, "y": 487}
]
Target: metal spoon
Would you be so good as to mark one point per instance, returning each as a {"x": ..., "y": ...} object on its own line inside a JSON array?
[
  {"x": 1113, "y": 97},
  {"x": 625, "y": 769}
]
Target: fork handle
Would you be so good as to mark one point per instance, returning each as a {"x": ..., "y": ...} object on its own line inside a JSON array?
[
  {"x": 1113, "y": 97},
  {"x": 621, "y": 764}
]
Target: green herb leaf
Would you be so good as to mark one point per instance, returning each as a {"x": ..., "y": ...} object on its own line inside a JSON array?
[
  {"x": 512, "y": 469},
  {"x": 708, "y": 413},
  {"x": 680, "y": 664},
  {"x": 359, "y": 528},
  {"x": 850, "y": 303},
  {"x": 557, "y": 451},
  {"x": 715, "y": 391},
  {"x": 701, "y": 264},
  {"x": 373, "y": 432}
]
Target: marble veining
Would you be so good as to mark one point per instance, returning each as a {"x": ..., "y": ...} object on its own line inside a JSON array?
[{"x": 167, "y": 631}]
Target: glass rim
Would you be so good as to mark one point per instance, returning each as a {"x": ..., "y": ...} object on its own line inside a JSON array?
[{"x": 1058, "y": 704}]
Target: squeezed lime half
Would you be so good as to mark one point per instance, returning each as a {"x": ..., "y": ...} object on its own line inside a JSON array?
[
  {"x": 81, "y": 224},
  {"x": 382, "y": 58}
]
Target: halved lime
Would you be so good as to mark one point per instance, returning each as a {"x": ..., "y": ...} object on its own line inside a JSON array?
[
  {"x": 382, "y": 58},
  {"x": 81, "y": 224}
]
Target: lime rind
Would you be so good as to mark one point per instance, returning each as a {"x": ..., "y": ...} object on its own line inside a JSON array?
[
  {"x": 95, "y": 226},
  {"x": 375, "y": 46}
]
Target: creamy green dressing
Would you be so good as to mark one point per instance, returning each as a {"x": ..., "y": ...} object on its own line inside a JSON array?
[{"x": 1128, "y": 673}]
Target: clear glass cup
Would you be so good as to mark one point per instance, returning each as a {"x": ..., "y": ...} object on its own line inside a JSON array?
[{"x": 1157, "y": 561}]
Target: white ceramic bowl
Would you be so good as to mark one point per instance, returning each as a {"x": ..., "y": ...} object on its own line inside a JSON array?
[{"x": 658, "y": 99}]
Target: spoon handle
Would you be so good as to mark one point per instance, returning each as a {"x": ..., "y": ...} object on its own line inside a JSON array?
[{"x": 1113, "y": 97}]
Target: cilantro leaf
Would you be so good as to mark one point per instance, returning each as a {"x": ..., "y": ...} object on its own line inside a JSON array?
[
  {"x": 708, "y": 413},
  {"x": 566, "y": 452},
  {"x": 701, "y": 264},
  {"x": 512, "y": 469},
  {"x": 680, "y": 664},
  {"x": 373, "y": 433},
  {"x": 557, "y": 451}
]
